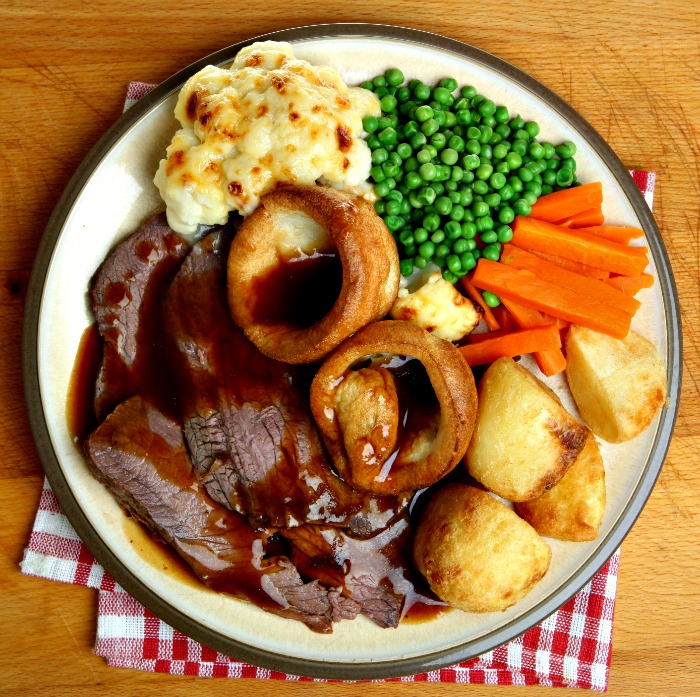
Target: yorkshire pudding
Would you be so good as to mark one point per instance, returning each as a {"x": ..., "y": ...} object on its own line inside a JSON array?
[
  {"x": 308, "y": 268},
  {"x": 396, "y": 407}
]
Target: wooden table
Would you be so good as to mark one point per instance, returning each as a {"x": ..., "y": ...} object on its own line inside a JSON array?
[{"x": 631, "y": 69}]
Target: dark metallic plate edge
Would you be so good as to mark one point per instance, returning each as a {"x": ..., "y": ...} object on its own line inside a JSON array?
[{"x": 324, "y": 669}]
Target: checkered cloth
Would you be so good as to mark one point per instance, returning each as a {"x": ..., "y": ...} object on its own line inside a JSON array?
[{"x": 571, "y": 648}]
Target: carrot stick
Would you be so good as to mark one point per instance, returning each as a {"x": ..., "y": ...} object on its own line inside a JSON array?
[
  {"x": 512, "y": 344},
  {"x": 631, "y": 284},
  {"x": 577, "y": 266},
  {"x": 529, "y": 233},
  {"x": 486, "y": 336},
  {"x": 562, "y": 204},
  {"x": 504, "y": 319},
  {"x": 613, "y": 233},
  {"x": 476, "y": 296},
  {"x": 524, "y": 287},
  {"x": 549, "y": 362},
  {"x": 589, "y": 288},
  {"x": 593, "y": 216}
]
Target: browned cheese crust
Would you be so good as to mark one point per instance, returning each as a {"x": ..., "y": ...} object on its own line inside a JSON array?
[
  {"x": 370, "y": 270},
  {"x": 435, "y": 453}
]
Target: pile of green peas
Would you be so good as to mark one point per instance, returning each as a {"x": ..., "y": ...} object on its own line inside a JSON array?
[{"x": 451, "y": 170}]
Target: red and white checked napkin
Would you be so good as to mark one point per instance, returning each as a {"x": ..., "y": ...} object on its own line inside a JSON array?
[{"x": 571, "y": 648}]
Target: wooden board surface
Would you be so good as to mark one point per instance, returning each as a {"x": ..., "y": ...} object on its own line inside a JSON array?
[{"x": 631, "y": 69}]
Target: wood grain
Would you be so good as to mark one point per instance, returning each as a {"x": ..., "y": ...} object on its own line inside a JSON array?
[{"x": 631, "y": 69}]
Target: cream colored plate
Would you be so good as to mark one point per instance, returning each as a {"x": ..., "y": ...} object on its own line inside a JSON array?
[{"x": 108, "y": 198}]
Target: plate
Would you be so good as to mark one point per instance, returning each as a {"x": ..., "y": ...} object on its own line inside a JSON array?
[{"x": 112, "y": 192}]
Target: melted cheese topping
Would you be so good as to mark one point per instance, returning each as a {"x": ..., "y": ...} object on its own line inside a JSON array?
[{"x": 268, "y": 119}]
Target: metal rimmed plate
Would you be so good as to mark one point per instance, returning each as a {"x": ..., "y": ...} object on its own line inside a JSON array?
[{"x": 112, "y": 192}]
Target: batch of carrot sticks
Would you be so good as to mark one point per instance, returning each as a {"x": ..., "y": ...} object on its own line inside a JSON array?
[{"x": 563, "y": 266}]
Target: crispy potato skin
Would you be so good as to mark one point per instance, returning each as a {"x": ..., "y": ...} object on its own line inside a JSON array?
[
  {"x": 475, "y": 552},
  {"x": 573, "y": 509},
  {"x": 524, "y": 440},
  {"x": 619, "y": 385}
]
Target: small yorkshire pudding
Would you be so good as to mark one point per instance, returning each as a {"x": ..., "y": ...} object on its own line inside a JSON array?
[
  {"x": 396, "y": 407},
  {"x": 308, "y": 268}
]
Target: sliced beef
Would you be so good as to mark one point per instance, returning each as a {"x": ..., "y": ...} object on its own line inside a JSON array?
[
  {"x": 141, "y": 457},
  {"x": 126, "y": 293},
  {"x": 371, "y": 572},
  {"x": 246, "y": 419}
]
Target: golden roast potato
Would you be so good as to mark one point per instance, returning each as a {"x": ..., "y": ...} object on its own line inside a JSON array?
[
  {"x": 475, "y": 552},
  {"x": 524, "y": 440},
  {"x": 618, "y": 385},
  {"x": 572, "y": 510}
]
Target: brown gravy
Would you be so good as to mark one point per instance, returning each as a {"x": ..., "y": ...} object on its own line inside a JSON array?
[{"x": 298, "y": 291}]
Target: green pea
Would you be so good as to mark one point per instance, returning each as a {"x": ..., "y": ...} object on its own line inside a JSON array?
[
  {"x": 427, "y": 171},
  {"x": 457, "y": 212},
  {"x": 465, "y": 197},
  {"x": 570, "y": 163},
  {"x": 468, "y": 230},
  {"x": 406, "y": 237},
  {"x": 404, "y": 150},
  {"x": 470, "y": 161},
  {"x": 506, "y": 192},
  {"x": 442, "y": 251},
  {"x": 424, "y": 113},
  {"x": 421, "y": 92},
  {"x": 501, "y": 114},
  {"x": 490, "y": 252},
  {"x": 519, "y": 146},
  {"x": 525, "y": 174},
  {"x": 532, "y": 128},
  {"x": 430, "y": 126},
  {"x": 373, "y": 142},
  {"x": 438, "y": 140},
  {"x": 379, "y": 81},
  {"x": 480, "y": 209},
  {"x": 411, "y": 164},
  {"x": 443, "y": 205},
  {"x": 388, "y": 103},
  {"x": 514, "y": 160},
  {"x": 377, "y": 174},
  {"x": 453, "y": 263},
  {"x": 486, "y": 153},
  {"x": 467, "y": 261},
  {"x": 489, "y": 236},
  {"x": 370, "y": 123},
  {"x": 460, "y": 246},
  {"x": 530, "y": 196},
  {"x": 468, "y": 92},
  {"x": 490, "y": 299},
  {"x": 438, "y": 188},
  {"x": 521, "y": 207},
  {"x": 393, "y": 208},
  {"x": 456, "y": 174},
  {"x": 431, "y": 222},
  {"x": 448, "y": 83},
  {"x": 497, "y": 180},
  {"x": 493, "y": 199},
  {"x": 536, "y": 150},
  {"x": 406, "y": 267},
  {"x": 506, "y": 215},
  {"x": 419, "y": 262},
  {"x": 393, "y": 222},
  {"x": 504, "y": 233},
  {"x": 500, "y": 151},
  {"x": 379, "y": 207},
  {"x": 451, "y": 188},
  {"x": 453, "y": 230},
  {"x": 449, "y": 156},
  {"x": 473, "y": 146},
  {"x": 483, "y": 172},
  {"x": 565, "y": 177},
  {"x": 503, "y": 130},
  {"x": 394, "y": 77},
  {"x": 449, "y": 276},
  {"x": 426, "y": 195},
  {"x": 420, "y": 235},
  {"x": 464, "y": 117},
  {"x": 502, "y": 167},
  {"x": 441, "y": 95},
  {"x": 427, "y": 249},
  {"x": 413, "y": 180},
  {"x": 516, "y": 183}
]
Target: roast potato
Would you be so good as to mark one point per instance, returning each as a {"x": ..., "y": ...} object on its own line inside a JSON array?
[
  {"x": 572, "y": 510},
  {"x": 618, "y": 385},
  {"x": 475, "y": 552},
  {"x": 524, "y": 440}
]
